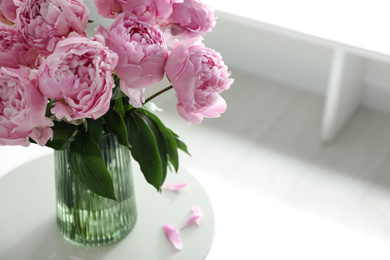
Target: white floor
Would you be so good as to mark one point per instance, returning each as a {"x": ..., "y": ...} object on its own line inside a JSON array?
[{"x": 277, "y": 191}]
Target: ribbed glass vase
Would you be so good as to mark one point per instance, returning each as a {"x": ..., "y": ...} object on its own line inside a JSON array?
[{"x": 89, "y": 219}]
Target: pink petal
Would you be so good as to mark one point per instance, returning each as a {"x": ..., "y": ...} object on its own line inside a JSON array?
[
  {"x": 175, "y": 187},
  {"x": 173, "y": 235},
  {"x": 196, "y": 209},
  {"x": 195, "y": 217}
]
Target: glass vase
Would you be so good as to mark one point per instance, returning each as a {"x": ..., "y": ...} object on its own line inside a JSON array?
[{"x": 89, "y": 219}]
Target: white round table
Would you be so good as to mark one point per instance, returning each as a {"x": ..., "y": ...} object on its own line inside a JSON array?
[{"x": 28, "y": 219}]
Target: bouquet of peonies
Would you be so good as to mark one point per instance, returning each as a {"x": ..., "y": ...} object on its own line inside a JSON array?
[{"x": 63, "y": 90}]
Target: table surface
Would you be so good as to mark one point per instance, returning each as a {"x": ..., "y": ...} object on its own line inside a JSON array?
[{"x": 28, "y": 220}]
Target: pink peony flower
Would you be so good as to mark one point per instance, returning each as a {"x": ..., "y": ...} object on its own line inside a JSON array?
[
  {"x": 108, "y": 8},
  {"x": 78, "y": 74},
  {"x": 7, "y": 11},
  {"x": 142, "y": 52},
  {"x": 136, "y": 96},
  {"x": 4, "y": 20},
  {"x": 22, "y": 108},
  {"x": 149, "y": 11},
  {"x": 14, "y": 50},
  {"x": 43, "y": 23},
  {"x": 198, "y": 76},
  {"x": 189, "y": 19}
]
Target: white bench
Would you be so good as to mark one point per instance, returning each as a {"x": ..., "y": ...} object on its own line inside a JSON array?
[{"x": 355, "y": 31}]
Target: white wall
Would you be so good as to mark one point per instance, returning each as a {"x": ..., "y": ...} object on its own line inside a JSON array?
[{"x": 289, "y": 57}]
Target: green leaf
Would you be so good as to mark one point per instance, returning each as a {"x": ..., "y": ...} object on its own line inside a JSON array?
[
  {"x": 169, "y": 138},
  {"x": 180, "y": 144},
  {"x": 62, "y": 132},
  {"x": 95, "y": 128},
  {"x": 87, "y": 163},
  {"x": 160, "y": 140},
  {"x": 144, "y": 149},
  {"x": 117, "y": 93},
  {"x": 119, "y": 107},
  {"x": 117, "y": 80},
  {"x": 127, "y": 106},
  {"x": 49, "y": 106},
  {"x": 116, "y": 125}
]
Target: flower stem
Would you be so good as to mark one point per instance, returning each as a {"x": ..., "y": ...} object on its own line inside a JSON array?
[{"x": 158, "y": 93}]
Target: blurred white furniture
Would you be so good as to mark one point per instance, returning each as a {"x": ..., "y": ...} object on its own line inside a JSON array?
[
  {"x": 28, "y": 219},
  {"x": 353, "y": 31}
]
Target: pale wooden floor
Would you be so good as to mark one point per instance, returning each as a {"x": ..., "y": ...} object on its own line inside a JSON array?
[{"x": 277, "y": 190}]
